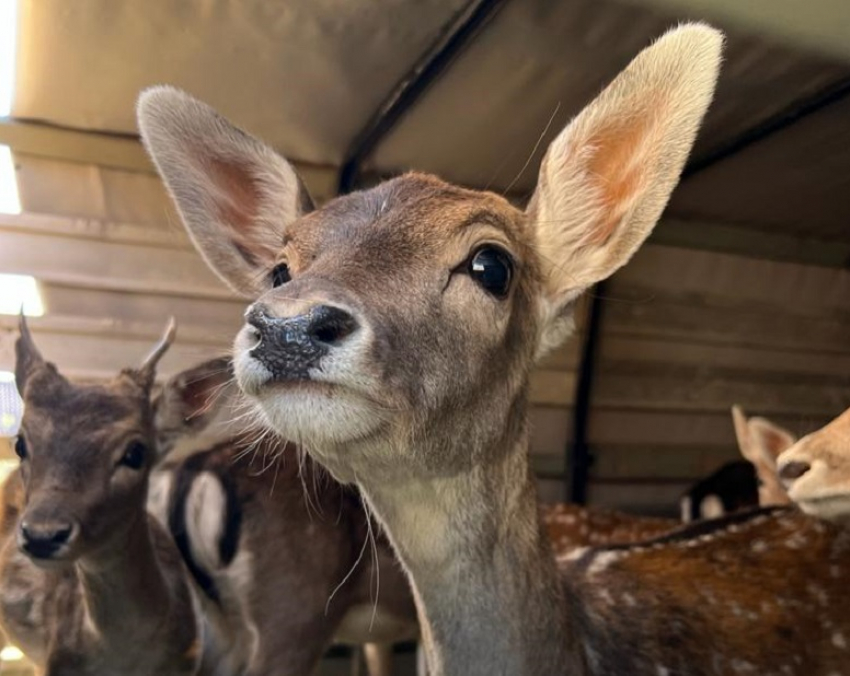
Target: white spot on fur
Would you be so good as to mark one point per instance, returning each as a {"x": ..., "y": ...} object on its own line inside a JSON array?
[
  {"x": 685, "y": 506},
  {"x": 576, "y": 553},
  {"x": 206, "y": 503},
  {"x": 602, "y": 561},
  {"x": 758, "y": 546},
  {"x": 839, "y": 641},
  {"x": 711, "y": 507}
]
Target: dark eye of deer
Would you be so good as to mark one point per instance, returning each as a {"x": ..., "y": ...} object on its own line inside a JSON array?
[
  {"x": 134, "y": 456},
  {"x": 493, "y": 269},
  {"x": 280, "y": 275},
  {"x": 20, "y": 448}
]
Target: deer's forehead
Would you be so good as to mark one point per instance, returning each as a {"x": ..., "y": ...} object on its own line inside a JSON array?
[
  {"x": 412, "y": 215},
  {"x": 93, "y": 414}
]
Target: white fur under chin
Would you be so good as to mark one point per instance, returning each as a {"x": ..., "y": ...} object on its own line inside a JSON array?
[{"x": 324, "y": 411}]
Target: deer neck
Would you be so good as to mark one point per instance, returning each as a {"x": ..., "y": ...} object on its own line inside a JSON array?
[
  {"x": 124, "y": 590},
  {"x": 484, "y": 578}
]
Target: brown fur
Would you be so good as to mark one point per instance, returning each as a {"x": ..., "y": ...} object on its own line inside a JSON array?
[
  {"x": 301, "y": 538},
  {"x": 299, "y": 547},
  {"x": 114, "y": 598}
]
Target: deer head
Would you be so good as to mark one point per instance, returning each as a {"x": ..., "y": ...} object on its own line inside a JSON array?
[
  {"x": 761, "y": 442},
  {"x": 816, "y": 471},
  {"x": 413, "y": 312},
  {"x": 85, "y": 453}
]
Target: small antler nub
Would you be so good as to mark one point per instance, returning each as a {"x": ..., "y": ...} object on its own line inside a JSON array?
[{"x": 147, "y": 370}]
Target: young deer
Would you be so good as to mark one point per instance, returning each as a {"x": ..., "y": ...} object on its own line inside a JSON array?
[
  {"x": 762, "y": 442},
  {"x": 816, "y": 471},
  {"x": 280, "y": 554},
  {"x": 393, "y": 337},
  {"x": 89, "y": 584}
]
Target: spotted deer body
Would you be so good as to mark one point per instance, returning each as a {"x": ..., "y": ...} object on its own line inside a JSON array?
[
  {"x": 569, "y": 526},
  {"x": 392, "y": 335},
  {"x": 89, "y": 583}
]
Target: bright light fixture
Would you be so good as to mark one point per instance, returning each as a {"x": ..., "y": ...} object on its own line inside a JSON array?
[
  {"x": 10, "y": 200},
  {"x": 11, "y": 654},
  {"x": 18, "y": 291},
  {"x": 8, "y": 53},
  {"x": 11, "y": 406}
]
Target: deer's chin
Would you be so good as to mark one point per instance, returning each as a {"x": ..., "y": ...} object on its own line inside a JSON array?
[
  {"x": 828, "y": 505},
  {"x": 316, "y": 414}
]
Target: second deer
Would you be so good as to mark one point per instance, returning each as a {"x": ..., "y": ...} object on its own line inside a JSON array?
[{"x": 89, "y": 584}]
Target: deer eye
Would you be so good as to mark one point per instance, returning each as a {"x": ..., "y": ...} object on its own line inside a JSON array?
[
  {"x": 21, "y": 447},
  {"x": 134, "y": 455},
  {"x": 492, "y": 268},
  {"x": 280, "y": 275}
]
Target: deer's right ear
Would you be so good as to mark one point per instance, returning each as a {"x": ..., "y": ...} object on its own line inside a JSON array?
[
  {"x": 27, "y": 357},
  {"x": 193, "y": 396},
  {"x": 606, "y": 178},
  {"x": 742, "y": 434},
  {"x": 234, "y": 194}
]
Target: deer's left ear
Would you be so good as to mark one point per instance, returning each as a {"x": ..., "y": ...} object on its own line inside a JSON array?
[
  {"x": 607, "y": 177},
  {"x": 27, "y": 357},
  {"x": 234, "y": 193}
]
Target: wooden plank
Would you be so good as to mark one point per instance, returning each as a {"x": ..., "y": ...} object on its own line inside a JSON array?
[
  {"x": 57, "y": 325},
  {"x": 661, "y": 499},
  {"x": 621, "y": 348},
  {"x": 667, "y": 426},
  {"x": 99, "y": 357},
  {"x": 682, "y": 463},
  {"x": 704, "y": 390},
  {"x": 121, "y": 152},
  {"x": 750, "y": 242},
  {"x": 219, "y": 318},
  {"x": 109, "y": 265},
  {"x": 727, "y": 321},
  {"x": 802, "y": 289},
  {"x": 173, "y": 237},
  {"x": 553, "y": 388},
  {"x": 551, "y": 428}
]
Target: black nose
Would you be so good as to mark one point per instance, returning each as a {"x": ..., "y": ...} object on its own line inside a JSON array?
[
  {"x": 42, "y": 540},
  {"x": 793, "y": 470},
  {"x": 290, "y": 346}
]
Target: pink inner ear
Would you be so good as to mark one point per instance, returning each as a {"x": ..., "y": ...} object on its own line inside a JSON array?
[
  {"x": 775, "y": 442},
  {"x": 238, "y": 196},
  {"x": 618, "y": 169}
]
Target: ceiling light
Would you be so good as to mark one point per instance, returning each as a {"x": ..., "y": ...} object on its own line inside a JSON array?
[
  {"x": 11, "y": 654},
  {"x": 20, "y": 291},
  {"x": 10, "y": 200},
  {"x": 8, "y": 53},
  {"x": 11, "y": 406}
]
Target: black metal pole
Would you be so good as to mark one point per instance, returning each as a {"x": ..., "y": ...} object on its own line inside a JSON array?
[
  {"x": 457, "y": 34},
  {"x": 579, "y": 457}
]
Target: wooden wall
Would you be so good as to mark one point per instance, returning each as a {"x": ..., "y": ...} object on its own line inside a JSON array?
[{"x": 686, "y": 334}]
